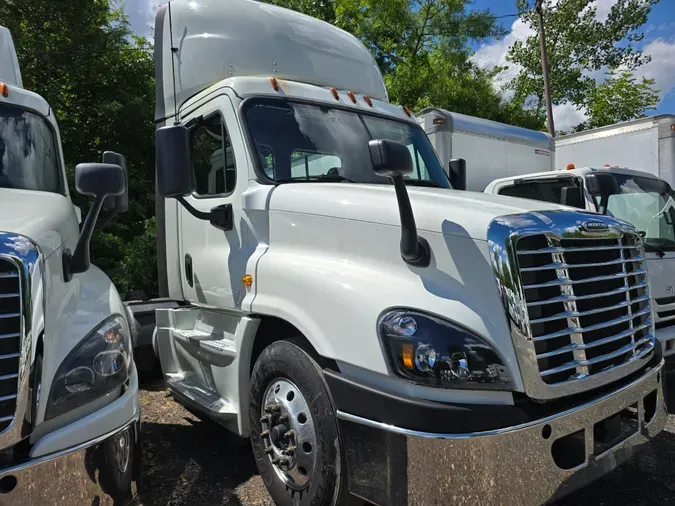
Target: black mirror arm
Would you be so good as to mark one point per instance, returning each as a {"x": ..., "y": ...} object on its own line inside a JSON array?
[
  {"x": 80, "y": 261},
  {"x": 415, "y": 250},
  {"x": 604, "y": 202},
  {"x": 220, "y": 216}
]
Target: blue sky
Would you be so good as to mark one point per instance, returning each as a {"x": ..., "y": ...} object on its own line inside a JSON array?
[{"x": 659, "y": 43}]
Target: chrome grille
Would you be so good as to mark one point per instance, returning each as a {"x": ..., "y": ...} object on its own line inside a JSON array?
[
  {"x": 10, "y": 340},
  {"x": 665, "y": 312},
  {"x": 587, "y": 301}
]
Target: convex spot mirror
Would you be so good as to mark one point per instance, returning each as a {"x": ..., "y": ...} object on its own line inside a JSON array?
[
  {"x": 172, "y": 149},
  {"x": 100, "y": 179},
  {"x": 390, "y": 158}
]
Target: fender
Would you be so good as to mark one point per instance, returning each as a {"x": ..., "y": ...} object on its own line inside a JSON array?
[{"x": 308, "y": 281}]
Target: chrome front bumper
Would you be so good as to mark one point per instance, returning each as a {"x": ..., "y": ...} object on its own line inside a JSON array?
[
  {"x": 88, "y": 474},
  {"x": 527, "y": 464}
]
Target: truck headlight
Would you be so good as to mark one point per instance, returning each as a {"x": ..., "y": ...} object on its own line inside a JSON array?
[
  {"x": 97, "y": 366},
  {"x": 430, "y": 351}
]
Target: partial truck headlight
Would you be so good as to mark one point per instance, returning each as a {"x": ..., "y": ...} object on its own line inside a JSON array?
[
  {"x": 97, "y": 366},
  {"x": 431, "y": 351}
]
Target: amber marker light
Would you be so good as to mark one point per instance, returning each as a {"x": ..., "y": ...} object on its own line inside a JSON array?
[
  {"x": 247, "y": 281},
  {"x": 275, "y": 83},
  {"x": 368, "y": 100},
  {"x": 351, "y": 95},
  {"x": 4, "y": 90},
  {"x": 407, "y": 352}
]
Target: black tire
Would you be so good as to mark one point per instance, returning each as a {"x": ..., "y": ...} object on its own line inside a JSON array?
[
  {"x": 115, "y": 481},
  {"x": 284, "y": 359}
]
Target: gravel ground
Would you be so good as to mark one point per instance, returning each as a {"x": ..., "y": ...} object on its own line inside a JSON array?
[{"x": 193, "y": 462}]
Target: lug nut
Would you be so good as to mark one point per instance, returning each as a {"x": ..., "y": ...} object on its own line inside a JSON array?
[
  {"x": 289, "y": 451},
  {"x": 283, "y": 419},
  {"x": 280, "y": 461},
  {"x": 265, "y": 419},
  {"x": 289, "y": 434},
  {"x": 269, "y": 450},
  {"x": 265, "y": 433},
  {"x": 272, "y": 408}
]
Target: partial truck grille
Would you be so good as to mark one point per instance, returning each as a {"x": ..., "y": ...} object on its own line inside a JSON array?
[
  {"x": 10, "y": 340},
  {"x": 587, "y": 303},
  {"x": 665, "y": 312}
]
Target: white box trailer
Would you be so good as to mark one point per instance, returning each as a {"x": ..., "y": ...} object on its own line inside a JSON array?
[
  {"x": 645, "y": 144},
  {"x": 491, "y": 150}
]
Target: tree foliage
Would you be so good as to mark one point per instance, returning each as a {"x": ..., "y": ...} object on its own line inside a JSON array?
[
  {"x": 98, "y": 78},
  {"x": 620, "y": 98},
  {"x": 580, "y": 46}
]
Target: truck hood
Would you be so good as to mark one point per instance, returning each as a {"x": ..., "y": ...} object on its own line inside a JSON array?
[
  {"x": 48, "y": 219},
  {"x": 452, "y": 212}
]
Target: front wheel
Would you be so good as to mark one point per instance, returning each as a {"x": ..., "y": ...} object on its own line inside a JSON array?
[{"x": 294, "y": 432}]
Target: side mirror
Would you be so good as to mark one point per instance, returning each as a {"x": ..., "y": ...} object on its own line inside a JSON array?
[
  {"x": 172, "y": 150},
  {"x": 99, "y": 180},
  {"x": 602, "y": 184},
  {"x": 116, "y": 204},
  {"x": 458, "y": 173},
  {"x": 572, "y": 196},
  {"x": 392, "y": 159}
]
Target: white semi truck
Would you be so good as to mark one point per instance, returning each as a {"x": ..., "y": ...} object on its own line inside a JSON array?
[
  {"x": 69, "y": 405},
  {"x": 645, "y": 144},
  {"x": 372, "y": 331}
]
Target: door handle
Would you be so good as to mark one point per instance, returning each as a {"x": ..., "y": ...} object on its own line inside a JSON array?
[{"x": 188, "y": 270}]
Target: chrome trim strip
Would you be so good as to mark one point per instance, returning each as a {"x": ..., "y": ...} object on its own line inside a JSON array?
[
  {"x": 560, "y": 282},
  {"x": 599, "y": 342},
  {"x": 564, "y": 265},
  {"x": 399, "y": 430},
  {"x": 29, "y": 262},
  {"x": 9, "y": 295},
  {"x": 10, "y": 355},
  {"x": 503, "y": 234},
  {"x": 7, "y": 398},
  {"x": 9, "y": 336},
  {"x": 571, "y": 314},
  {"x": 591, "y": 328},
  {"x": 5, "y": 275},
  {"x": 10, "y": 315},
  {"x": 576, "y": 363},
  {"x": 6, "y": 419},
  {"x": 556, "y": 249},
  {"x": 570, "y": 298}
]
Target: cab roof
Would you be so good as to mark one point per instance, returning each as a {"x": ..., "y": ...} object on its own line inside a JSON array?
[{"x": 199, "y": 43}]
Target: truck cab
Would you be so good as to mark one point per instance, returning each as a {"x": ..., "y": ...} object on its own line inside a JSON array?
[
  {"x": 353, "y": 315},
  {"x": 69, "y": 407},
  {"x": 637, "y": 197}
]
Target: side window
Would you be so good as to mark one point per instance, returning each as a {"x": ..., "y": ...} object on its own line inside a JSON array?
[
  {"x": 308, "y": 164},
  {"x": 213, "y": 158},
  {"x": 420, "y": 170}
]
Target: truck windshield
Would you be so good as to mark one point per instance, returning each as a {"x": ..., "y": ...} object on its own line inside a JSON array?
[
  {"x": 28, "y": 154},
  {"x": 649, "y": 205},
  {"x": 300, "y": 142}
]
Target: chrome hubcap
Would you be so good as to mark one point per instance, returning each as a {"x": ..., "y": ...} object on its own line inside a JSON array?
[
  {"x": 121, "y": 450},
  {"x": 287, "y": 431}
]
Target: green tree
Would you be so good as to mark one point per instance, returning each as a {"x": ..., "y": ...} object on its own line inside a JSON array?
[
  {"x": 579, "y": 46},
  {"x": 82, "y": 58},
  {"x": 620, "y": 98}
]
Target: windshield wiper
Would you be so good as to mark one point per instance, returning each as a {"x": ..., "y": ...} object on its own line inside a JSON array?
[
  {"x": 324, "y": 178},
  {"x": 655, "y": 249}
]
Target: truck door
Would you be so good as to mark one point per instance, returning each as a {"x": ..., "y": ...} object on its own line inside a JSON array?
[{"x": 212, "y": 260}]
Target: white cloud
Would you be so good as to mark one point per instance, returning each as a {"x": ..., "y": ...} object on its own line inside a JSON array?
[
  {"x": 566, "y": 116},
  {"x": 662, "y": 66}
]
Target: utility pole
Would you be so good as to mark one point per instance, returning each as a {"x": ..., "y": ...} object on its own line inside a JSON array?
[{"x": 544, "y": 68}]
